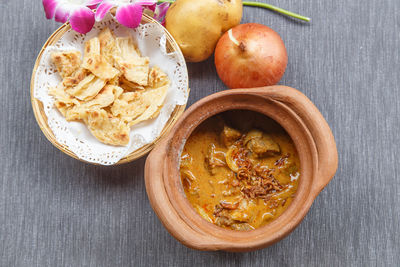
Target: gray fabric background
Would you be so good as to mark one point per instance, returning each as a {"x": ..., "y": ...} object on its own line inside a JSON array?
[{"x": 57, "y": 211}]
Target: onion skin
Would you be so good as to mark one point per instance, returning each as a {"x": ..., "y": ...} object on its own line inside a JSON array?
[{"x": 259, "y": 57}]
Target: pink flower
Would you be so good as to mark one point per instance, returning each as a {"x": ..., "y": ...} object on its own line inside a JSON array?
[
  {"x": 79, "y": 13},
  {"x": 82, "y": 17},
  {"x": 128, "y": 13}
]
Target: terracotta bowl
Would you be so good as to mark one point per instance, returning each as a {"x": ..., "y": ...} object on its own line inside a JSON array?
[{"x": 295, "y": 113}]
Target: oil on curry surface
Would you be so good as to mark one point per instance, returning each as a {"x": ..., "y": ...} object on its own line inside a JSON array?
[{"x": 239, "y": 170}]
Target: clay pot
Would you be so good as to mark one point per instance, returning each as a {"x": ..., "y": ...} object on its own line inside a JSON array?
[{"x": 295, "y": 113}]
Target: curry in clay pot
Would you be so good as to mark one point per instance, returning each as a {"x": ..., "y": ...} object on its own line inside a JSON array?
[
  {"x": 304, "y": 165},
  {"x": 240, "y": 170}
]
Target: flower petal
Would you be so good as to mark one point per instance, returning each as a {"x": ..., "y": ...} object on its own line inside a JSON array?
[
  {"x": 129, "y": 15},
  {"x": 93, "y": 2},
  {"x": 82, "y": 20},
  {"x": 163, "y": 22},
  {"x": 146, "y": 2},
  {"x": 102, "y": 10},
  {"x": 161, "y": 10},
  {"x": 62, "y": 13},
  {"x": 152, "y": 7},
  {"x": 50, "y": 8}
]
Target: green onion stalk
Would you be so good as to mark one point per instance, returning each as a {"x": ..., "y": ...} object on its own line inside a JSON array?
[{"x": 264, "y": 5}]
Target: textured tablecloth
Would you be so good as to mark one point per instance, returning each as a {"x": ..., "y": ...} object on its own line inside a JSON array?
[{"x": 57, "y": 211}]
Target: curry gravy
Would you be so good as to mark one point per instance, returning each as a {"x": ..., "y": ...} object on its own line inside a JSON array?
[{"x": 239, "y": 170}]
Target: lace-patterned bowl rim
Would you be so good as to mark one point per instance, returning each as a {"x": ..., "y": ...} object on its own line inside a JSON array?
[{"x": 41, "y": 118}]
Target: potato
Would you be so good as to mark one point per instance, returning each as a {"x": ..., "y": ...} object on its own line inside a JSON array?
[{"x": 198, "y": 24}]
